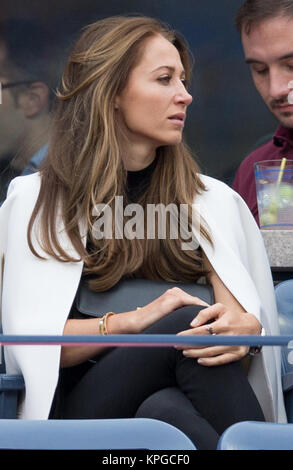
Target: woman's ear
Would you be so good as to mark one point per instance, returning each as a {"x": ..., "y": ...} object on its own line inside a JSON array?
[{"x": 116, "y": 102}]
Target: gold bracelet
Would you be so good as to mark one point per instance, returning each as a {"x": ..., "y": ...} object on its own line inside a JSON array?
[{"x": 103, "y": 323}]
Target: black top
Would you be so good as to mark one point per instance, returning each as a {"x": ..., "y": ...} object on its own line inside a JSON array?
[{"x": 138, "y": 181}]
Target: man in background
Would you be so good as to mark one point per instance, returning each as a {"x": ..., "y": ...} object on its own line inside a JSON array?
[
  {"x": 266, "y": 28},
  {"x": 28, "y": 81}
]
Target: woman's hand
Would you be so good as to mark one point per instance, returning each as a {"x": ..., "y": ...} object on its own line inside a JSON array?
[
  {"x": 138, "y": 320},
  {"x": 225, "y": 317},
  {"x": 222, "y": 321}
]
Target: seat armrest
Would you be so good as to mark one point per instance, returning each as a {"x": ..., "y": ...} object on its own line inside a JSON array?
[
  {"x": 10, "y": 386},
  {"x": 11, "y": 382}
]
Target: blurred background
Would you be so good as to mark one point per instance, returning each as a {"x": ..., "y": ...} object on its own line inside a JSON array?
[{"x": 227, "y": 116}]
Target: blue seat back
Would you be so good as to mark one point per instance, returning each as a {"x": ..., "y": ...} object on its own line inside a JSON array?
[
  {"x": 284, "y": 299},
  {"x": 138, "y": 433},
  {"x": 253, "y": 435}
]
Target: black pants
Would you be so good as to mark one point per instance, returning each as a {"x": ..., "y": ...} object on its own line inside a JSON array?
[{"x": 161, "y": 383}]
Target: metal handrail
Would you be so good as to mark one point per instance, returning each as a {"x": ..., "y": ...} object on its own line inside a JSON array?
[{"x": 145, "y": 340}]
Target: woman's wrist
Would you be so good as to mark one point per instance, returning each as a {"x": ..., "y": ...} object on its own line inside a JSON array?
[
  {"x": 253, "y": 350},
  {"x": 255, "y": 325},
  {"x": 122, "y": 323}
]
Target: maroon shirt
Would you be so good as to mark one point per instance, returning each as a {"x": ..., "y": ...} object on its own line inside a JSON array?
[{"x": 281, "y": 145}]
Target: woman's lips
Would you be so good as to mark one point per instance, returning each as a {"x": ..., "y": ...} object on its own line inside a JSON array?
[{"x": 178, "y": 119}]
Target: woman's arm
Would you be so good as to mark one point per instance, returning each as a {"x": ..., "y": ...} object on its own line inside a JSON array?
[
  {"x": 226, "y": 317},
  {"x": 73, "y": 355},
  {"x": 132, "y": 322}
]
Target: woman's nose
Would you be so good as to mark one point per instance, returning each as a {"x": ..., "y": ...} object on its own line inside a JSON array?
[{"x": 183, "y": 96}]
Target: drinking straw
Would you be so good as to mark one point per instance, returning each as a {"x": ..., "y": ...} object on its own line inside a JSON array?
[
  {"x": 273, "y": 205},
  {"x": 281, "y": 172}
]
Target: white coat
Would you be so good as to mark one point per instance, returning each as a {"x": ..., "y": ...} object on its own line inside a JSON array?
[{"x": 37, "y": 295}]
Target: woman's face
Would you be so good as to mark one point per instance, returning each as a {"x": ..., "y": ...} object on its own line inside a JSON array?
[{"x": 153, "y": 104}]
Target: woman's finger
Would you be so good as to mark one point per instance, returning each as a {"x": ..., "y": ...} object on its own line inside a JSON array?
[
  {"x": 192, "y": 332},
  {"x": 209, "y": 313},
  {"x": 216, "y": 327},
  {"x": 219, "y": 359},
  {"x": 212, "y": 351},
  {"x": 190, "y": 299},
  {"x": 184, "y": 298},
  {"x": 222, "y": 359}
]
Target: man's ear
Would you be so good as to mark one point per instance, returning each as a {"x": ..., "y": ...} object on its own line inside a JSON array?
[{"x": 34, "y": 100}]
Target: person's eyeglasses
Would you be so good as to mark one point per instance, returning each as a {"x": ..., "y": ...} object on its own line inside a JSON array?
[{"x": 14, "y": 84}]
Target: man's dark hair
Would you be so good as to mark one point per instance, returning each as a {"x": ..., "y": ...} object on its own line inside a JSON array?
[
  {"x": 254, "y": 11},
  {"x": 29, "y": 54}
]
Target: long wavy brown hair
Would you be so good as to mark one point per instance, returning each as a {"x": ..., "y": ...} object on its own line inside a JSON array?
[{"x": 84, "y": 165}]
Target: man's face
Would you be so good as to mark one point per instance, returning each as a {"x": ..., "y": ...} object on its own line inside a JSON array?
[
  {"x": 12, "y": 123},
  {"x": 268, "y": 50}
]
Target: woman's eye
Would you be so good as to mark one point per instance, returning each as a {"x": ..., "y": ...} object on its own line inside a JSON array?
[{"x": 165, "y": 79}]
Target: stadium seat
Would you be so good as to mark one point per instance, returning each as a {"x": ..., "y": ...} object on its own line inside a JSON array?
[
  {"x": 136, "y": 433},
  {"x": 254, "y": 435},
  {"x": 284, "y": 299},
  {"x": 10, "y": 386}
]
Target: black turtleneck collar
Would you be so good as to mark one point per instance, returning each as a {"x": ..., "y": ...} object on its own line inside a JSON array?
[{"x": 138, "y": 181}]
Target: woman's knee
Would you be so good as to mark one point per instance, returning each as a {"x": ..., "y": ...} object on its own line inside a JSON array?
[
  {"x": 176, "y": 321},
  {"x": 160, "y": 404}
]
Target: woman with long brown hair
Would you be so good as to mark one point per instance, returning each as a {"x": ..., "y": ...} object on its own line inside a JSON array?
[{"x": 117, "y": 139}]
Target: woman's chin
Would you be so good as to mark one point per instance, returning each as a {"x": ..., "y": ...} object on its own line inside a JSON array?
[{"x": 172, "y": 141}]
